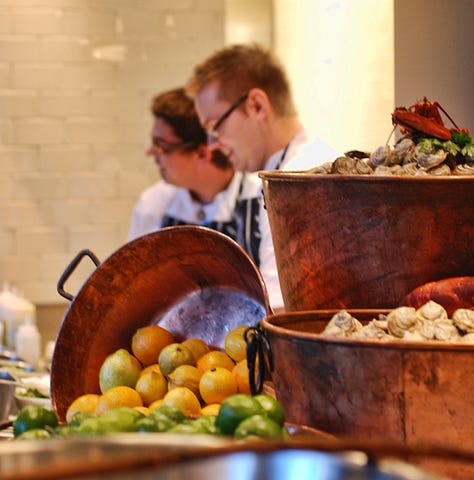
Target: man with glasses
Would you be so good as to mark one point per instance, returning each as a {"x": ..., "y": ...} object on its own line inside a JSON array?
[
  {"x": 198, "y": 186},
  {"x": 243, "y": 99}
]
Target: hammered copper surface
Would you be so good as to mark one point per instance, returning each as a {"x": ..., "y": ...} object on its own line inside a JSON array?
[
  {"x": 192, "y": 280},
  {"x": 408, "y": 392},
  {"x": 366, "y": 242}
]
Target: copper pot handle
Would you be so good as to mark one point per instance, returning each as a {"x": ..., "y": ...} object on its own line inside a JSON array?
[
  {"x": 70, "y": 268},
  {"x": 259, "y": 351}
]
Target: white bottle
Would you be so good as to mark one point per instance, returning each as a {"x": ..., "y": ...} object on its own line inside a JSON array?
[{"x": 28, "y": 342}]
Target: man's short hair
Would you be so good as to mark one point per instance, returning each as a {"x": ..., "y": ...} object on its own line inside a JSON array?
[{"x": 238, "y": 68}]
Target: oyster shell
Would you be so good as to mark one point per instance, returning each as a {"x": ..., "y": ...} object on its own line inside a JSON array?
[
  {"x": 381, "y": 156},
  {"x": 430, "y": 160},
  {"x": 463, "y": 318},
  {"x": 427, "y": 315},
  {"x": 404, "y": 151},
  {"x": 344, "y": 166},
  {"x": 400, "y": 320},
  {"x": 342, "y": 324},
  {"x": 322, "y": 169},
  {"x": 468, "y": 338},
  {"x": 446, "y": 331},
  {"x": 464, "y": 169},
  {"x": 374, "y": 329}
]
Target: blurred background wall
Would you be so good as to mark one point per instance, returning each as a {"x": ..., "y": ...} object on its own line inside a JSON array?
[{"x": 77, "y": 77}]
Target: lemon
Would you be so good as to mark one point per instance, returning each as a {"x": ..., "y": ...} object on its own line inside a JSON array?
[{"x": 174, "y": 355}]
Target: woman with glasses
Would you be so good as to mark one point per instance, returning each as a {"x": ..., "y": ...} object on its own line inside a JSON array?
[
  {"x": 243, "y": 99},
  {"x": 198, "y": 185}
]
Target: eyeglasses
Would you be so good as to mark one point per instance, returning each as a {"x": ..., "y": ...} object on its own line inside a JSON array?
[
  {"x": 161, "y": 148},
  {"x": 212, "y": 132}
]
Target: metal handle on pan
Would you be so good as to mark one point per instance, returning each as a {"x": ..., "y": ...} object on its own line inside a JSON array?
[
  {"x": 71, "y": 267},
  {"x": 258, "y": 351}
]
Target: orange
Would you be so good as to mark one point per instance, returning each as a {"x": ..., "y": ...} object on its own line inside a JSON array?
[
  {"x": 147, "y": 343},
  {"x": 85, "y": 403},
  {"x": 183, "y": 399},
  {"x": 151, "y": 386},
  {"x": 144, "y": 410},
  {"x": 197, "y": 346},
  {"x": 214, "y": 359},
  {"x": 217, "y": 384},
  {"x": 155, "y": 404},
  {"x": 154, "y": 367},
  {"x": 235, "y": 345},
  {"x": 241, "y": 375},
  {"x": 120, "y": 396},
  {"x": 185, "y": 376},
  {"x": 211, "y": 409}
]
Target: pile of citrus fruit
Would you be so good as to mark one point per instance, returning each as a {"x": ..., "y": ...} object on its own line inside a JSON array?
[{"x": 160, "y": 385}]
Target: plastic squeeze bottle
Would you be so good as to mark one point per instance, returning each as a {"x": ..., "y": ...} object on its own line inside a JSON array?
[{"x": 28, "y": 342}]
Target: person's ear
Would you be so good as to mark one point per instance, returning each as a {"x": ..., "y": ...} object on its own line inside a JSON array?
[
  {"x": 203, "y": 152},
  {"x": 258, "y": 102}
]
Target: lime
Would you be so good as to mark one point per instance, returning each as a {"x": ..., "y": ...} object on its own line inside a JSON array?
[
  {"x": 172, "y": 413},
  {"x": 79, "y": 417},
  {"x": 273, "y": 408},
  {"x": 206, "y": 424},
  {"x": 155, "y": 423},
  {"x": 34, "y": 434},
  {"x": 234, "y": 409},
  {"x": 33, "y": 417},
  {"x": 259, "y": 426},
  {"x": 186, "y": 427},
  {"x": 120, "y": 419},
  {"x": 174, "y": 355},
  {"x": 90, "y": 426}
]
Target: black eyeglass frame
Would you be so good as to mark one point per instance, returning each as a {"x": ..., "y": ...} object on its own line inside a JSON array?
[
  {"x": 160, "y": 148},
  {"x": 213, "y": 131}
]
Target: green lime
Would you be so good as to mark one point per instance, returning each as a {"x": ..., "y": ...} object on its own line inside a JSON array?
[
  {"x": 90, "y": 426},
  {"x": 234, "y": 409},
  {"x": 207, "y": 424},
  {"x": 32, "y": 417},
  {"x": 273, "y": 408},
  {"x": 34, "y": 434},
  {"x": 172, "y": 413},
  {"x": 64, "y": 431},
  {"x": 79, "y": 417},
  {"x": 154, "y": 423},
  {"x": 259, "y": 426},
  {"x": 120, "y": 419},
  {"x": 186, "y": 427}
]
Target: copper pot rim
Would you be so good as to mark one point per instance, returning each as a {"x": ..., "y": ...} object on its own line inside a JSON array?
[
  {"x": 304, "y": 176},
  {"x": 412, "y": 345}
]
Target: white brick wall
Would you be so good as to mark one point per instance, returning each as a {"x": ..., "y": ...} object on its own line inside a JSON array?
[{"x": 74, "y": 123}]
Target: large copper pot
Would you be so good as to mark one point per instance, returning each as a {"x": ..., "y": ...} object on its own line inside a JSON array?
[
  {"x": 194, "y": 281},
  {"x": 407, "y": 392},
  {"x": 366, "y": 241}
]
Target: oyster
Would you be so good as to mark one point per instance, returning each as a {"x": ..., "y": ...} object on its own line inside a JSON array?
[
  {"x": 427, "y": 315},
  {"x": 468, "y": 338},
  {"x": 381, "y": 156},
  {"x": 463, "y": 318},
  {"x": 404, "y": 151},
  {"x": 342, "y": 324},
  {"x": 374, "y": 329},
  {"x": 383, "y": 170},
  {"x": 322, "y": 169},
  {"x": 400, "y": 320},
  {"x": 344, "y": 166},
  {"x": 446, "y": 331},
  {"x": 441, "y": 170},
  {"x": 464, "y": 169},
  {"x": 430, "y": 160},
  {"x": 362, "y": 167}
]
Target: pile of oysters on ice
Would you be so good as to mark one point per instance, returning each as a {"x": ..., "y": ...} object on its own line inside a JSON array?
[
  {"x": 430, "y": 322},
  {"x": 404, "y": 158}
]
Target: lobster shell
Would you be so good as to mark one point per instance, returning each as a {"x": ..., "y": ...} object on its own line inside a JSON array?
[{"x": 451, "y": 293}]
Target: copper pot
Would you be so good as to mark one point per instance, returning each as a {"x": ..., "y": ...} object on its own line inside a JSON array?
[
  {"x": 366, "y": 241},
  {"x": 407, "y": 392},
  {"x": 194, "y": 281}
]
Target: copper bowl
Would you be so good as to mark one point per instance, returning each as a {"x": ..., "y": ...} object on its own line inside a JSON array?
[
  {"x": 400, "y": 391},
  {"x": 194, "y": 281},
  {"x": 366, "y": 241}
]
